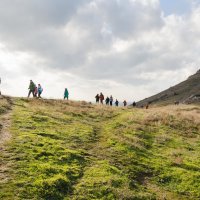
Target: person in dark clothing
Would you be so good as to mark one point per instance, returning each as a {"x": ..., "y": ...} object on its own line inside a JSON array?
[
  {"x": 97, "y": 98},
  {"x": 107, "y": 100},
  {"x": 101, "y": 97},
  {"x": 134, "y": 104},
  {"x": 111, "y": 100},
  {"x": 31, "y": 88},
  {"x": 117, "y": 103},
  {"x": 125, "y": 103}
]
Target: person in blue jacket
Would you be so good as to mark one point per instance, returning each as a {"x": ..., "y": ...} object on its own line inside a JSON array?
[{"x": 40, "y": 90}]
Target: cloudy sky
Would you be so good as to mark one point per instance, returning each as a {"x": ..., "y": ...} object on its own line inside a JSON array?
[{"x": 128, "y": 48}]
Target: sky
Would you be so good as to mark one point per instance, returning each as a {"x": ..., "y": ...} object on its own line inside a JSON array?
[{"x": 130, "y": 49}]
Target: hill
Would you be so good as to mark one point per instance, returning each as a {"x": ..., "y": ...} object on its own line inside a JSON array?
[
  {"x": 59, "y": 150},
  {"x": 186, "y": 92}
]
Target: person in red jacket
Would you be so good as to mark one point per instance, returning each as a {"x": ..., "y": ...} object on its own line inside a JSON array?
[
  {"x": 101, "y": 97},
  {"x": 35, "y": 92}
]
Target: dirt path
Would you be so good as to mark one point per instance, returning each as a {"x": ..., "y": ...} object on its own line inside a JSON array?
[
  {"x": 5, "y": 136},
  {"x": 99, "y": 149},
  {"x": 4, "y": 133}
]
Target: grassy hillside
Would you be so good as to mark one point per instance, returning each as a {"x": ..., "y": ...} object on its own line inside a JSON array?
[
  {"x": 187, "y": 91},
  {"x": 73, "y": 150}
]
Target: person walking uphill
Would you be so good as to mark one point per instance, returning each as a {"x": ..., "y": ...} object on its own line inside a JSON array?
[
  {"x": 107, "y": 101},
  {"x": 35, "y": 92},
  {"x": 40, "y": 90},
  {"x": 31, "y": 88},
  {"x": 125, "y": 103},
  {"x": 117, "y": 103},
  {"x": 111, "y": 100},
  {"x": 97, "y": 98},
  {"x": 101, "y": 97},
  {"x": 66, "y": 94}
]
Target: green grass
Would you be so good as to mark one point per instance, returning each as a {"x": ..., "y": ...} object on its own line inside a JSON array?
[{"x": 74, "y": 150}]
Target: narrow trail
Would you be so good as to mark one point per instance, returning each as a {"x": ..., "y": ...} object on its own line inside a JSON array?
[
  {"x": 4, "y": 132},
  {"x": 99, "y": 147},
  {"x": 97, "y": 151},
  {"x": 5, "y": 136}
]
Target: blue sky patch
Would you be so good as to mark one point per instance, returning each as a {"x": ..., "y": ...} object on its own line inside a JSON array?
[{"x": 179, "y": 7}]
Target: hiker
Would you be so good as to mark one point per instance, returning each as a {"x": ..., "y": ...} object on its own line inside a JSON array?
[
  {"x": 117, "y": 103},
  {"x": 101, "y": 97},
  {"x": 134, "y": 104},
  {"x": 111, "y": 100},
  {"x": 147, "y": 106},
  {"x": 125, "y": 103},
  {"x": 107, "y": 100},
  {"x": 66, "y": 94},
  {"x": 97, "y": 98},
  {"x": 40, "y": 90},
  {"x": 31, "y": 88},
  {"x": 35, "y": 92}
]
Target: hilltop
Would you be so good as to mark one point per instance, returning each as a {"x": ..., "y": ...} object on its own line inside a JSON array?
[
  {"x": 187, "y": 91},
  {"x": 63, "y": 150}
]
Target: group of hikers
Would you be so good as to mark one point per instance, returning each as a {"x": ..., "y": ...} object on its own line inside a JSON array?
[
  {"x": 35, "y": 90},
  {"x": 108, "y": 101}
]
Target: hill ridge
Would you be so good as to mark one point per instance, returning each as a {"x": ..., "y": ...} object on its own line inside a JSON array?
[{"x": 187, "y": 91}]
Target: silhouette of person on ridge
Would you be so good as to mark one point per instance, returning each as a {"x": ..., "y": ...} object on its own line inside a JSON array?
[
  {"x": 66, "y": 94},
  {"x": 134, "y": 104},
  {"x": 117, "y": 103},
  {"x": 107, "y": 100},
  {"x": 31, "y": 88},
  {"x": 35, "y": 91},
  {"x": 125, "y": 103},
  {"x": 40, "y": 90},
  {"x": 97, "y": 98},
  {"x": 101, "y": 97},
  {"x": 111, "y": 100}
]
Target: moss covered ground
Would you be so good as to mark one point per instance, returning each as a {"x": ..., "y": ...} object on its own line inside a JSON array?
[{"x": 73, "y": 150}]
